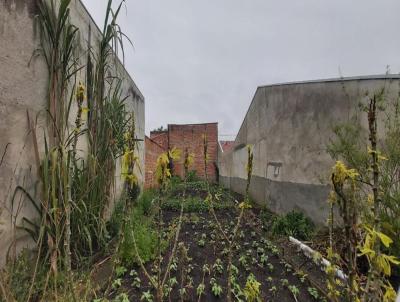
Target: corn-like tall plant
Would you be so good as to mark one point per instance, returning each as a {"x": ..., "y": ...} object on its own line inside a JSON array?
[
  {"x": 76, "y": 191},
  {"x": 108, "y": 121},
  {"x": 92, "y": 182},
  {"x": 58, "y": 43}
]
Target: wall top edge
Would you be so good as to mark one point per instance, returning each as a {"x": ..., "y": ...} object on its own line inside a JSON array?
[{"x": 340, "y": 79}]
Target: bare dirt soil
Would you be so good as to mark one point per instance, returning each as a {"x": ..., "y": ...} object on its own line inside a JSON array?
[{"x": 254, "y": 254}]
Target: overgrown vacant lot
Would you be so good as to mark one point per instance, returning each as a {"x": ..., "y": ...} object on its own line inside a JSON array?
[{"x": 198, "y": 270}]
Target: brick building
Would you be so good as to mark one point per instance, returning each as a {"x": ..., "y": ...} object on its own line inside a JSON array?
[
  {"x": 226, "y": 145},
  {"x": 183, "y": 137},
  {"x": 152, "y": 151}
]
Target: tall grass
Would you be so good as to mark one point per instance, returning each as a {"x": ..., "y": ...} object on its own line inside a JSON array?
[
  {"x": 108, "y": 124},
  {"x": 58, "y": 45}
]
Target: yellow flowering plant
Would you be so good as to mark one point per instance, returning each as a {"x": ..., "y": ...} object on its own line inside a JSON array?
[
  {"x": 252, "y": 289},
  {"x": 362, "y": 193}
]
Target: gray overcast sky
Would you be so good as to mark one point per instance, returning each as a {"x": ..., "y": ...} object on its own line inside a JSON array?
[{"x": 201, "y": 60}]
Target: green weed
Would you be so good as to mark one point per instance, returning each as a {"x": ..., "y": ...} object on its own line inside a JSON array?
[
  {"x": 145, "y": 235},
  {"x": 294, "y": 224}
]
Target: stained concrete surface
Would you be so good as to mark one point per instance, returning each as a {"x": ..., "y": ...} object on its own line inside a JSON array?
[
  {"x": 289, "y": 127},
  {"x": 23, "y": 84}
]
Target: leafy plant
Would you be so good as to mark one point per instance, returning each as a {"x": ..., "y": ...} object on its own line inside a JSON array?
[
  {"x": 136, "y": 282},
  {"x": 116, "y": 283},
  {"x": 141, "y": 229},
  {"x": 123, "y": 297},
  {"x": 252, "y": 289},
  {"x": 201, "y": 242},
  {"x": 218, "y": 266},
  {"x": 294, "y": 224},
  {"x": 360, "y": 191},
  {"x": 120, "y": 271},
  {"x": 313, "y": 292},
  {"x": 192, "y": 176},
  {"x": 294, "y": 290},
  {"x": 147, "y": 296},
  {"x": 172, "y": 282},
  {"x": 145, "y": 201},
  {"x": 273, "y": 290},
  {"x": 200, "y": 289},
  {"x": 216, "y": 289},
  {"x": 285, "y": 282},
  {"x": 16, "y": 276},
  {"x": 288, "y": 267}
]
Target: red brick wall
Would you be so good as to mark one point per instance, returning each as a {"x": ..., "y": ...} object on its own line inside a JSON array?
[
  {"x": 183, "y": 137},
  {"x": 160, "y": 137},
  {"x": 152, "y": 151},
  {"x": 191, "y": 137}
]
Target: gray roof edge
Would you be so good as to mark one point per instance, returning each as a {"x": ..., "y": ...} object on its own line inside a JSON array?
[{"x": 341, "y": 79}]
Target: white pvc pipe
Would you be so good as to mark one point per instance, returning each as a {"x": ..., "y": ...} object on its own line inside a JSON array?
[{"x": 310, "y": 253}]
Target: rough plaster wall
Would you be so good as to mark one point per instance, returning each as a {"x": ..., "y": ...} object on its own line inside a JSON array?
[
  {"x": 23, "y": 87},
  {"x": 289, "y": 126}
]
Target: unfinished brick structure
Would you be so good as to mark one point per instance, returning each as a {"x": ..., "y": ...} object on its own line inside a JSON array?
[
  {"x": 226, "y": 145},
  {"x": 153, "y": 150},
  {"x": 160, "y": 138},
  {"x": 187, "y": 138}
]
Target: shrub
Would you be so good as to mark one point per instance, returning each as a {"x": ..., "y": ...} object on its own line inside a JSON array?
[
  {"x": 266, "y": 216},
  {"x": 117, "y": 216},
  {"x": 294, "y": 224},
  {"x": 175, "y": 180},
  {"x": 145, "y": 201},
  {"x": 145, "y": 235},
  {"x": 192, "y": 176},
  {"x": 16, "y": 278},
  {"x": 143, "y": 206},
  {"x": 351, "y": 145}
]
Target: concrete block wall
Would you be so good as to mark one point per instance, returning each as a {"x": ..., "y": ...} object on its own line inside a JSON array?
[
  {"x": 23, "y": 86},
  {"x": 290, "y": 126}
]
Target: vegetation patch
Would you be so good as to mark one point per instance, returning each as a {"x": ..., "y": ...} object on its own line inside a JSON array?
[{"x": 294, "y": 224}]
